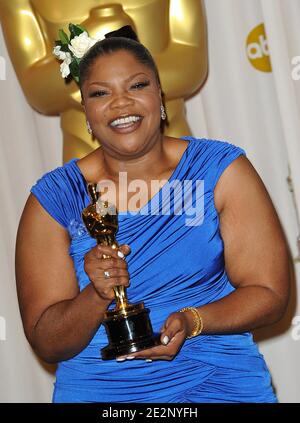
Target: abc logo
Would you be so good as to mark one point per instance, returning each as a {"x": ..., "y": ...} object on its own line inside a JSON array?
[{"x": 258, "y": 50}]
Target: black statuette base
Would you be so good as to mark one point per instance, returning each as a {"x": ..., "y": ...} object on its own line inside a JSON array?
[{"x": 128, "y": 333}]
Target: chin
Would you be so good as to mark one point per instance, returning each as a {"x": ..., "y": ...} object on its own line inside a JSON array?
[
  {"x": 132, "y": 144},
  {"x": 130, "y": 149}
]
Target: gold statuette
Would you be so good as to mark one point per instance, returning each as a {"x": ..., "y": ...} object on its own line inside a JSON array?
[
  {"x": 174, "y": 31},
  {"x": 128, "y": 326}
]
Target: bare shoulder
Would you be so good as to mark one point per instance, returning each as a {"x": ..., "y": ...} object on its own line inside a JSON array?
[
  {"x": 239, "y": 180},
  {"x": 92, "y": 165},
  {"x": 175, "y": 148}
]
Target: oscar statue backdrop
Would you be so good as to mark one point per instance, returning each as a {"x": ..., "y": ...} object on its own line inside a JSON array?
[{"x": 230, "y": 70}]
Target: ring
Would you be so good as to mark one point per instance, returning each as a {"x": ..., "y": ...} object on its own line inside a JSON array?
[{"x": 106, "y": 274}]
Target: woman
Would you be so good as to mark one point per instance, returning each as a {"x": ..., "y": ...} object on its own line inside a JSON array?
[{"x": 207, "y": 283}]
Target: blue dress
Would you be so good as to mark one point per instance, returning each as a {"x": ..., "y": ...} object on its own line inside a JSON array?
[{"x": 176, "y": 260}]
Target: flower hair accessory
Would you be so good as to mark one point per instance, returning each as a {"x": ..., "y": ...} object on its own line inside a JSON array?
[{"x": 70, "y": 49}]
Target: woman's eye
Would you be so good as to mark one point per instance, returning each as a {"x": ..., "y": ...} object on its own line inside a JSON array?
[
  {"x": 139, "y": 85},
  {"x": 99, "y": 93}
]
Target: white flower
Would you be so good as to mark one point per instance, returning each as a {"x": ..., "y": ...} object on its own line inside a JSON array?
[
  {"x": 56, "y": 51},
  {"x": 64, "y": 67},
  {"x": 68, "y": 58},
  {"x": 62, "y": 55},
  {"x": 80, "y": 44}
]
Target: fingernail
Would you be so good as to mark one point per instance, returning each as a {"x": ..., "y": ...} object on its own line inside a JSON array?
[
  {"x": 165, "y": 340},
  {"x": 120, "y": 254},
  {"x": 120, "y": 359},
  {"x": 130, "y": 357},
  {"x": 148, "y": 360}
]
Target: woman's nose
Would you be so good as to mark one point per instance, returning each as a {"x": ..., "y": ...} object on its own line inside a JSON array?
[{"x": 121, "y": 100}]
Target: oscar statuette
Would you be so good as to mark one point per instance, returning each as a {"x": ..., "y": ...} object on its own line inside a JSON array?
[{"x": 128, "y": 326}]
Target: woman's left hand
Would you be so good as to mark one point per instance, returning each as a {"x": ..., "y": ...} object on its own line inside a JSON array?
[{"x": 173, "y": 335}]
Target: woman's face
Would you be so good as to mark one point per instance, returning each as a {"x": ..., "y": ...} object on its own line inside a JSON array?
[{"x": 122, "y": 103}]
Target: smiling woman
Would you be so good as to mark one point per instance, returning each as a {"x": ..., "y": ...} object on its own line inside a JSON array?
[
  {"x": 123, "y": 109},
  {"x": 207, "y": 284}
]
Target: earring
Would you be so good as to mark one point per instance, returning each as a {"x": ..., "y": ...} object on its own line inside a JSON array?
[
  {"x": 89, "y": 127},
  {"x": 162, "y": 112}
]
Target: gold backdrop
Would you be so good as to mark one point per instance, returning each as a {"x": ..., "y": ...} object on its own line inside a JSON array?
[{"x": 173, "y": 30}]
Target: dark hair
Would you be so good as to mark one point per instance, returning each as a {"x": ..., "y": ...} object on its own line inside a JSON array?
[{"x": 122, "y": 39}]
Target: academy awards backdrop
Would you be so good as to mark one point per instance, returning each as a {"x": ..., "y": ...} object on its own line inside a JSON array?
[{"x": 251, "y": 98}]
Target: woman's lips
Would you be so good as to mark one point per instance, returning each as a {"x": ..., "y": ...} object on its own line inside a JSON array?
[{"x": 126, "y": 128}]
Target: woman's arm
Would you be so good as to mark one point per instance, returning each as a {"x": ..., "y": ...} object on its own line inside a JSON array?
[
  {"x": 256, "y": 254},
  {"x": 256, "y": 260},
  {"x": 58, "y": 320}
]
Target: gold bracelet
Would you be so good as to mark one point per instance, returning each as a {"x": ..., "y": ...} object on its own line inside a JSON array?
[{"x": 197, "y": 320}]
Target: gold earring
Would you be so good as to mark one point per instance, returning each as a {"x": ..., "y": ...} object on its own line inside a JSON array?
[{"x": 162, "y": 112}]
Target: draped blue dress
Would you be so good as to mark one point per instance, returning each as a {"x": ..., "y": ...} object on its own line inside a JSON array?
[{"x": 176, "y": 260}]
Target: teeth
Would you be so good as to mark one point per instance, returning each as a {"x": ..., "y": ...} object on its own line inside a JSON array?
[{"x": 126, "y": 120}]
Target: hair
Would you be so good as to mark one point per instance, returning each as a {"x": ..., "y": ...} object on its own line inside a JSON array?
[{"x": 122, "y": 39}]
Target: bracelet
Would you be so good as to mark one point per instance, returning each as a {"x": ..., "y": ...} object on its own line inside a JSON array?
[{"x": 197, "y": 320}]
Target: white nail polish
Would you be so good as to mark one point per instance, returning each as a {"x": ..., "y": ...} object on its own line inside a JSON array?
[
  {"x": 120, "y": 359},
  {"x": 148, "y": 360},
  {"x": 130, "y": 358},
  {"x": 165, "y": 340},
  {"x": 120, "y": 254}
]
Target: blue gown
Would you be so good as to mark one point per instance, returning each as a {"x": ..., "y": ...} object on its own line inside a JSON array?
[{"x": 176, "y": 260}]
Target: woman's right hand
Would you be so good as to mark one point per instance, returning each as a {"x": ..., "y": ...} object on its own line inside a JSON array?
[{"x": 95, "y": 266}]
